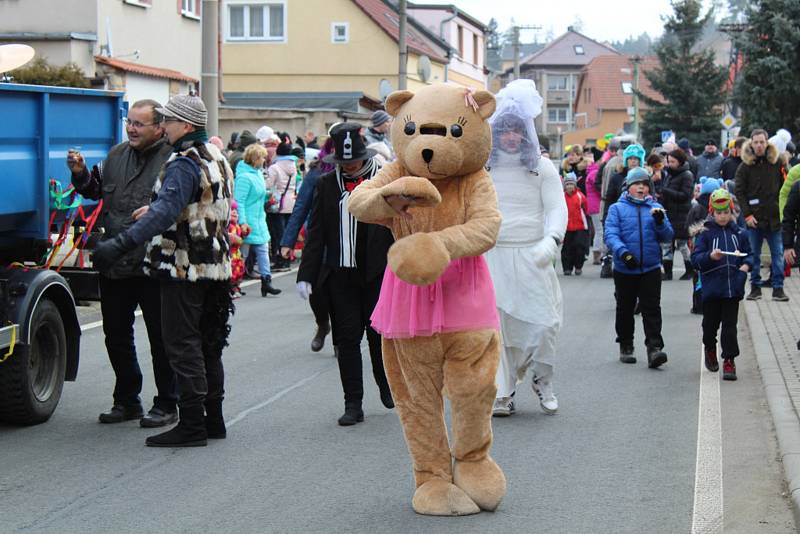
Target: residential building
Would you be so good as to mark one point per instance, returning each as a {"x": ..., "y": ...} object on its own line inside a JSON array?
[
  {"x": 466, "y": 37},
  {"x": 557, "y": 69},
  {"x": 281, "y": 64},
  {"x": 147, "y": 48},
  {"x": 604, "y": 97}
]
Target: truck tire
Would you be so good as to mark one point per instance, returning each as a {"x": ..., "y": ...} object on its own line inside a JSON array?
[{"x": 31, "y": 380}]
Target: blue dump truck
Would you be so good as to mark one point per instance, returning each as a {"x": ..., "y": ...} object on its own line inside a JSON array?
[{"x": 41, "y": 224}]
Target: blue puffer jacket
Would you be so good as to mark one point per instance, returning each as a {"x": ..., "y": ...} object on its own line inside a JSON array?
[
  {"x": 630, "y": 227},
  {"x": 721, "y": 279}
]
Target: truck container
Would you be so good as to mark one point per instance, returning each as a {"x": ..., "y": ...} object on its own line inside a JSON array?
[{"x": 39, "y": 328}]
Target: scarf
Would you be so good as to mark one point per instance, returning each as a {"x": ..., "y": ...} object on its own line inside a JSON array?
[
  {"x": 348, "y": 225},
  {"x": 189, "y": 139}
]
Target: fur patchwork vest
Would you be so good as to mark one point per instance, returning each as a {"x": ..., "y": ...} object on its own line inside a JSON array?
[{"x": 196, "y": 246}]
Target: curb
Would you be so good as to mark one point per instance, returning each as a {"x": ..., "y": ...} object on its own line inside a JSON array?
[{"x": 784, "y": 416}]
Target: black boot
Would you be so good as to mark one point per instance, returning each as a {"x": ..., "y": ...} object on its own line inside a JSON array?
[
  {"x": 689, "y": 271},
  {"x": 606, "y": 271},
  {"x": 667, "y": 270},
  {"x": 189, "y": 432},
  {"x": 656, "y": 358},
  {"x": 319, "y": 338},
  {"x": 352, "y": 415},
  {"x": 215, "y": 422},
  {"x": 266, "y": 287}
]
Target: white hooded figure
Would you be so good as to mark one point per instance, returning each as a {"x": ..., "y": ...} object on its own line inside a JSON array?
[{"x": 531, "y": 199}]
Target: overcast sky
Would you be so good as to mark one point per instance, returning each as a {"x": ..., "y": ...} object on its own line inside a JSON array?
[{"x": 599, "y": 22}]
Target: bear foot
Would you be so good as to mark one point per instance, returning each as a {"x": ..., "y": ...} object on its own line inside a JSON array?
[
  {"x": 437, "y": 497},
  {"x": 483, "y": 481}
]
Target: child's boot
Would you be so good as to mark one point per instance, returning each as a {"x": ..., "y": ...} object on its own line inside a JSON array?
[
  {"x": 711, "y": 359},
  {"x": 667, "y": 270},
  {"x": 728, "y": 369}
]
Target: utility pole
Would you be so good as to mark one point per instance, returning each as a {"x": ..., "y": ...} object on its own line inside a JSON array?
[
  {"x": 515, "y": 42},
  {"x": 636, "y": 60},
  {"x": 403, "y": 70},
  {"x": 209, "y": 77}
]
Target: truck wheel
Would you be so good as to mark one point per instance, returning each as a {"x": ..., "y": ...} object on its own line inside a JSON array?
[{"x": 31, "y": 380}]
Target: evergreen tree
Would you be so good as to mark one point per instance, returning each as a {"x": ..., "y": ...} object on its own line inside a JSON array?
[
  {"x": 767, "y": 89},
  {"x": 493, "y": 46},
  {"x": 691, "y": 85}
]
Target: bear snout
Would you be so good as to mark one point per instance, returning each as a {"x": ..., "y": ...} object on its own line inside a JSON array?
[{"x": 427, "y": 155}]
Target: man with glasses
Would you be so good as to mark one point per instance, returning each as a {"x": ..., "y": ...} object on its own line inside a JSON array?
[{"x": 124, "y": 181}]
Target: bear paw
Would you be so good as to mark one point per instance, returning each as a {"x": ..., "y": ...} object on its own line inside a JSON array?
[
  {"x": 421, "y": 190},
  {"x": 437, "y": 497},
  {"x": 418, "y": 259},
  {"x": 483, "y": 481}
]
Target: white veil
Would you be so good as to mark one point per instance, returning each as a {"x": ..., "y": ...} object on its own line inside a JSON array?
[{"x": 518, "y": 104}]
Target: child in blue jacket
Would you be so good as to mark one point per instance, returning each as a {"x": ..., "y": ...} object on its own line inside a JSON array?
[
  {"x": 635, "y": 226},
  {"x": 722, "y": 257}
]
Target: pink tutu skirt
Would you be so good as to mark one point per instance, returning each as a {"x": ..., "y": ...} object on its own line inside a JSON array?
[{"x": 461, "y": 299}]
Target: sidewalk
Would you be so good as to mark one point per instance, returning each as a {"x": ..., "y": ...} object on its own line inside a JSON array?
[{"x": 775, "y": 329}]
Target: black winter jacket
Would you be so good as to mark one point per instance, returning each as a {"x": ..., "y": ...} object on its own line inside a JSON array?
[
  {"x": 676, "y": 195},
  {"x": 758, "y": 184}
]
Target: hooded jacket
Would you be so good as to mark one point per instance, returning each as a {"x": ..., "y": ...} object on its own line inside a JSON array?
[
  {"x": 709, "y": 164},
  {"x": 758, "y": 184},
  {"x": 721, "y": 279},
  {"x": 630, "y": 227},
  {"x": 592, "y": 193},
  {"x": 250, "y": 193},
  {"x": 281, "y": 180}
]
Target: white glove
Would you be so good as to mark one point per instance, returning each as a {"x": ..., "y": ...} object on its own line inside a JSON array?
[
  {"x": 304, "y": 290},
  {"x": 544, "y": 252}
]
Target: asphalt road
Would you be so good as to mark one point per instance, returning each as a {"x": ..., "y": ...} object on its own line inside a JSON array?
[{"x": 619, "y": 457}]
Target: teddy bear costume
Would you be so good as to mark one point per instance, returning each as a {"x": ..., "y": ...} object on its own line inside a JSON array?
[{"x": 436, "y": 310}]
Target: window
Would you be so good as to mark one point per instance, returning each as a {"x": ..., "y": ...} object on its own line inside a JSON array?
[
  {"x": 627, "y": 88},
  {"x": 340, "y": 32},
  {"x": 557, "y": 114},
  {"x": 475, "y": 49},
  {"x": 578, "y": 49},
  {"x": 461, "y": 41},
  {"x": 556, "y": 83},
  {"x": 257, "y": 21},
  {"x": 190, "y": 8}
]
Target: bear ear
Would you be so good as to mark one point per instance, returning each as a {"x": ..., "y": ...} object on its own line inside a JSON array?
[
  {"x": 486, "y": 103},
  {"x": 397, "y": 99}
]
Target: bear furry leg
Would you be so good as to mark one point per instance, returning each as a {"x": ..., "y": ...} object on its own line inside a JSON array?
[
  {"x": 414, "y": 370},
  {"x": 471, "y": 360}
]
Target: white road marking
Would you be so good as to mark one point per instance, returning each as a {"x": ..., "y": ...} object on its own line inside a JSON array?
[
  {"x": 707, "y": 510},
  {"x": 244, "y": 413},
  {"x": 138, "y": 313}
]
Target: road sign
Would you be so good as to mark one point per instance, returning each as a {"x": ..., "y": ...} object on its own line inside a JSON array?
[
  {"x": 667, "y": 136},
  {"x": 728, "y": 121}
]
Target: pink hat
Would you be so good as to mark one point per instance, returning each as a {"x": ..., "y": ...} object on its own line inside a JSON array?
[{"x": 234, "y": 205}]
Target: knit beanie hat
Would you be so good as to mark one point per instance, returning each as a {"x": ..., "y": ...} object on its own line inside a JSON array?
[
  {"x": 720, "y": 200},
  {"x": 683, "y": 144},
  {"x": 635, "y": 176},
  {"x": 186, "y": 108},
  {"x": 708, "y": 185},
  {"x": 570, "y": 178},
  {"x": 284, "y": 149},
  {"x": 633, "y": 151},
  {"x": 246, "y": 139},
  {"x": 379, "y": 117},
  {"x": 265, "y": 133}
]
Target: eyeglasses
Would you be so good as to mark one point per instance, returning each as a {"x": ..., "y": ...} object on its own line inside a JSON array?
[{"x": 137, "y": 124}]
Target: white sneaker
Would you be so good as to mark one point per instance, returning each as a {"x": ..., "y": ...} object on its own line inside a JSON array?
[
  {"x": 547, "y": 398},
  {"x": 503, "y": 407}
]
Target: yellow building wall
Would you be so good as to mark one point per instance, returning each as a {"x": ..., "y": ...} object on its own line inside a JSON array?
[
  {"x": 309, "y": 62},
  {"x": 466, "y": 81}
]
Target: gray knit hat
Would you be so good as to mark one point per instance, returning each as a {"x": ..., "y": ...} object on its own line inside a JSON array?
[
  {"x": 186, "y": 108},
  {"x": 380, "y": 117}
]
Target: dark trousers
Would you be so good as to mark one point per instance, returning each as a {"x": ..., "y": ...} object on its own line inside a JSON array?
[
  {"x": 646, "y": 288},
  {"x": 320, "y": 308},
  {"x": 118, "y": 301},
  {"x": 276, "y": 223},
  {"x": 574, "y": 249},
  {"x": 194, "y": 318},
  {"x": 352, "y": 301},
  {"x": 725, "y": 311}
]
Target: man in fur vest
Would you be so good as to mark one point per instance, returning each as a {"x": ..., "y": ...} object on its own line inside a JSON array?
[
  {"x": 758, "y": 182},
  {"x": 185, "y": 228}
]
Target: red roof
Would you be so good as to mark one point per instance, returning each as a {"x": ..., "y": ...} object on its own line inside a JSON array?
[
  {"x": 144, "y": 70},
  {"x": 388, "y": 19},
  {"x": 605, "y": 75}
]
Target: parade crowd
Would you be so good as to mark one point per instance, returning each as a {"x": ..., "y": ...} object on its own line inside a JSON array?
[{"x": 187, "y": 217}]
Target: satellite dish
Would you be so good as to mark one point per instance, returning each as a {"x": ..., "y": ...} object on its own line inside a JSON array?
[
  {"x": 13, "y": 56},
  {"x": 424, "y": 68},
  {"x": 384, "y": 89}
]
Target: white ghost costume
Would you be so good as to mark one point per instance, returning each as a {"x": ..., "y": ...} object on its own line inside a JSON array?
[{"x": 531, "y": 200}]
